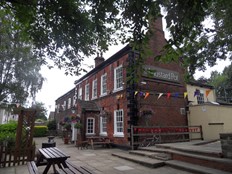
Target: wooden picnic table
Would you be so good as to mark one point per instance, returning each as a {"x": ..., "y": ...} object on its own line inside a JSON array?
[
  {"x": 98, "y": 140},
  {"x": 53, "y": 156}
]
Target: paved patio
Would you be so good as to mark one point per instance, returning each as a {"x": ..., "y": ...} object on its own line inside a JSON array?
[{"x": 99, "y": 161}]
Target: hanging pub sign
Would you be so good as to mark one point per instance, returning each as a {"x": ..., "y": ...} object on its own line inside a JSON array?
[{"x": 162, "y": 74}]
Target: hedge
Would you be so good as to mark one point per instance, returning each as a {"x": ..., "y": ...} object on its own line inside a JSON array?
[{"x": 40, "y": 131}]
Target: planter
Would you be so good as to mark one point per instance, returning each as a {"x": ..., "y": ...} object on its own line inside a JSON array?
[
  {"x": 226, "y": 144},
  {"x": 66, "y": 140}
]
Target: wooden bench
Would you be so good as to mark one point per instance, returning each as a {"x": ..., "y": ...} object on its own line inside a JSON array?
[
  {"x": 72, "y": 169},
  {"x": 32, "y": 168},
  {"x": 105, "y": 141}
]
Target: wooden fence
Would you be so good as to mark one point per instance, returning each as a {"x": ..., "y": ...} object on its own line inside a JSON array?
[
  {"x": 11, "y": 157},
  {"x": 148, "y": 136}
]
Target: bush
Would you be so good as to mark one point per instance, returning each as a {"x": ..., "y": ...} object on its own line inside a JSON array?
[
  {"x": 8, "y": 132},
  {"x": 40, "y": 131},
  {"x": 52, "y": 125}
]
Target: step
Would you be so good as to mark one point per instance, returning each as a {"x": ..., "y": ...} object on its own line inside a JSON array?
[
  {"x": 194, "y": 168},
  {"x": 154, "y": 163},
  {"x": 154, "y": 155}
]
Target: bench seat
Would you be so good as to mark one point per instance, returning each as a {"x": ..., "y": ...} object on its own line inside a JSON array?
[
  {"x": 32, "y": 168},
  {"x": 72, "y": 169}
]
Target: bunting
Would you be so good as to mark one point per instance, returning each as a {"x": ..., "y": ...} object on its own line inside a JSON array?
[
  {"x": 160, "y": 94},
  {"x": 207, "y": 92},
  {"x": 168, "y": 95},
  {"x": 146, "y": 95},
  {"x": 185, "y": 94}
]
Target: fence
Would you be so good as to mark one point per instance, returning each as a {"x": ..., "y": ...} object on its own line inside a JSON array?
[
  {"x": 148, "y": 136},
  {"x": 9, "y": 156}
]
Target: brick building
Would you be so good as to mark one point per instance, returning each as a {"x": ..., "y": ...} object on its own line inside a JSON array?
[{"x": 109, "y": 103}]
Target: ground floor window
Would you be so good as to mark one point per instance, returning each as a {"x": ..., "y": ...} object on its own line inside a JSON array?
[
  {"x": 118, "y": 123},
  {"x": 90, "y": 126},
  {"x": 103, "y": 127}
]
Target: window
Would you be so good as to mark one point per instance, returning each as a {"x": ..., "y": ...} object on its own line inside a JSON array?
[
  {"x": 64, "y": 106},
  {"x": 200, "y": 97},
  {"x": 118, "y": 78},
  {"x": 74, "y": 101},
  {"x": 94, "y": 92},
  {"x": 103, "y": 127},
  {"x": 87, "y": 92},
  {"x": 69, "y": 103},
  {"x": 118, "y": 123},
  {"x": 90, "y": 126},
  {"x": 80, "y": 93},
  {"x": 103, "y": 84}
]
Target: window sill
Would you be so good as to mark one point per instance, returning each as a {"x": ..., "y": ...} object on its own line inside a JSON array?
[
  {"x": 118, "y": 89},
  {"x": 118, "y": 135},
  {"x": 103, "y": 134}
]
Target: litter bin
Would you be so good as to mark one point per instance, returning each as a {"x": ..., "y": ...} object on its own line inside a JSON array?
[{"x": 226, "y": 144}]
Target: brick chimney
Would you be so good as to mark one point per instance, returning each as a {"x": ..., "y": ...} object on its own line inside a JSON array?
[{"x": 99, "y": 60}]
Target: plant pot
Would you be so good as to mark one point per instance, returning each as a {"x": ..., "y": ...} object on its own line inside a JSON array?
[{"x": 66, "y": 140}]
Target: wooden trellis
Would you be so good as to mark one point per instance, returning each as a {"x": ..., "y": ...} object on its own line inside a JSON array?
[{"x": 24, "y": 149}]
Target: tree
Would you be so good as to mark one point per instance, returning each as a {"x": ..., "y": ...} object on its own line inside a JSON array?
[
  {"x": 19, "y": 68},
  {"x": 41, "y": 111},
  {"x": 68, "y": 30},
  {"x": 222, "y": 83}
]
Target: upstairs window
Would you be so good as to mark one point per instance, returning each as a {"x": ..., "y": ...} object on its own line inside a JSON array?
[
  {"x": 87, "y": 92},
  {"x": 69, "y": 103},
  {"x": 94, "y": 92},
  {"x": 118, "y": 78},
  {"x": 80, "y": 93},
  {"x": 200, "y": 97},
  {"x": 103, "y": 84}
]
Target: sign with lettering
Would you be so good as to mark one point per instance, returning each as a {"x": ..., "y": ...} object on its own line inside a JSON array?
[{"x": 160, "y": 73}]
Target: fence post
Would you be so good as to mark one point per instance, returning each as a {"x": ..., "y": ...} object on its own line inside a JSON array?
[
  {"x": 201, "y": 132},
  {"x": 132, "y": 137}
]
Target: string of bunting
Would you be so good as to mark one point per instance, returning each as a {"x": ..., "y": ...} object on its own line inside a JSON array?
[{"x": 169, "y": 94}]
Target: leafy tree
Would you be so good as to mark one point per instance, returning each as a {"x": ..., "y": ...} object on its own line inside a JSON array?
[
  {"x": 41, "y": 111},
  {"x": 82, "y": 27},
  {"x": 222, "y": 83},
  {"x": 19, "y": 68}
]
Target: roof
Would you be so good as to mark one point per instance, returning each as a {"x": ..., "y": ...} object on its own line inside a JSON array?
[
  {"x": 113, "y": 58},
  {"x": 197, "y": 83},
  {"x": 88, "y": 105}
]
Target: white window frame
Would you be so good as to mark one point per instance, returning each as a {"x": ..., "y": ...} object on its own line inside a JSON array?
[
  {"x": 87, "y": 92},
  {"x": 80, "y": 93},
  {"x": 94, "y": 89},
  {"x": 74, "y": 101},
  {"x": 117, "y": 120},
  {"x": 118, "y": 86},
  {"x": 103, "y": 126},
  {"x": 104, "y": 84},
  {"x": 64, "y": 105},
  {"x": 69, "y": 103},
  {"x": 201, "y": 97},
  {"x": 87, "y": 126}
]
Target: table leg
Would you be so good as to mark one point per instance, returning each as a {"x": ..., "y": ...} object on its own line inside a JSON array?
[{"x": 47, "y": 168}]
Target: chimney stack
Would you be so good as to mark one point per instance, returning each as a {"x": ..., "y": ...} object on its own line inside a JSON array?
[{"x": 99, "y": 60}]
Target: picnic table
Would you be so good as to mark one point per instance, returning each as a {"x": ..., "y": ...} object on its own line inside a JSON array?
[
  {"x": 53, "y": 156},
  {"x": 96, "y": 140}
]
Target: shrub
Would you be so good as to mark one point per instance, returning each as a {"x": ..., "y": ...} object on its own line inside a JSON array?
[
  {"x": 52, "y": 125},
  {"x": 40, "y": 131}
]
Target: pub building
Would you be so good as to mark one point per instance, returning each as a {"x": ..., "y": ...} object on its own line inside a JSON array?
[{"x": 109, "y": 103}]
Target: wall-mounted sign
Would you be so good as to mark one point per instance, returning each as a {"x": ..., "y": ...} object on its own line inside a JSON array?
[{"x": 160, "y": 73}]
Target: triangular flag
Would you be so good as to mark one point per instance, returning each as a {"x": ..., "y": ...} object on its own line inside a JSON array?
[
  {"x": 136, "y": 92},
  {"x": 160, "y": 94},
  {"x": 146, "y": 95},
  {"x": 176, "y": 94},
  {"x": 141, "y": 93},
  {"x": 185, "y": 94},
  {"x": 207, "y": 92},
  {"x": 168, "y": 95},
  {"x": 197, "y": 92}
]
